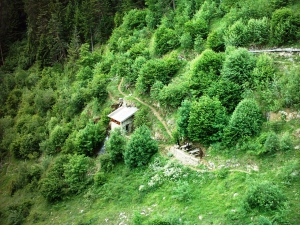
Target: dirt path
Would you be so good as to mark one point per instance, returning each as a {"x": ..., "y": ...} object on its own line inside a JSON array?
[
  {"x": 275, "y": 50},
  {"x": 112, "y": 98},
  {"x": 149, "y": 106}
]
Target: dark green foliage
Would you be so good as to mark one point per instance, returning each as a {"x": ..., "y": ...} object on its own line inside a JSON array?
[
  {"x": 186, "y": 41},
  {"x": 155, "y": 90},
  {"x": 238, "y": 66},
  {"x": 19, "y": 212},
  {"x": 207, "y": 120},
  {"x": 53, "y": 185},
  {"x": 245, "y": 121},
  {"x": 75, "y": 172},
  {"x": 229, "y": 93},
  {"x": 263, "y": 221},
  {"x": 265, "y": 196},
  {"x": 115, "y": 145},
  {"x": 183, "y": 118},
  {"x": 140, "y": 148},
  {"x": 165, "y": 40},
  {"x": 88, "y": 138},
  {"x": 285, "y": 26},
  {"x": 272, "y": 144},
  {"x": 106, "y": 162}
]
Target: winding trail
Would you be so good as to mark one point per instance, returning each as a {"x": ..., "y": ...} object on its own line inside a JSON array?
[{"x": 149, "y": 106}]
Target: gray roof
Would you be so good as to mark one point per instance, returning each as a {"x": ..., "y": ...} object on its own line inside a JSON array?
[{"x": 122, "y": 113}]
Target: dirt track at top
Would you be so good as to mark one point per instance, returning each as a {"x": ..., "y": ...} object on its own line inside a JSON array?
[{"x": 149, "y": 106}]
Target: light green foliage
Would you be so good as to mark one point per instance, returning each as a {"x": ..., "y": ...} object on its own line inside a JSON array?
[
  {"x": 207, "y": 120},
  {"x": 44, "y": 100},
  {"x": 183, "y": 118},
  {"x": 140, "y": 148},
  {"x": 56, "y": 140},
  {"x": 205, "y": 70},
  {"x": 186, "y": 41},
  {"x": 165, "y": 40},
  {"x": 157, "y": 70},
  {"x": 291, "y": 84},
  {"x": 75, "y": 172},
  {"x": 215, "y": 40},
  {"x": 271, "y": 144},
  {"x": 257, "y": 31},
  {"x": 238, "y": 67},
  {"x": 174, "y": 93},
  {"x": 286, "y": 142},
  {"x": 264, "y": 70},
  {"x": 135, "y": 19},
  {"x": 155, "y": 90},
  {"x": 115, "y": 145},
  {"x": 285, "y": 26},
  {"x": 52, "y": 183},
  {"x": 235, "y": 35},
  {"x": 99, "y": 178},
  {"x": 197, "y": 27},
  {"x": 264, "y": 196},
  {"x": 106, "y": 162},
  {"x": 229, "y": 93},
  {"x": 142, "y": 117},
  {"x": 245, "y": 121}
]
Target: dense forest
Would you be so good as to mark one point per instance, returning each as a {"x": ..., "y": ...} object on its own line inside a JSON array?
[{"x": 189, "y": 68}]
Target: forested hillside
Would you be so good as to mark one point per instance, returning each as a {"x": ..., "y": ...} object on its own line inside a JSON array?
[{"x": 188, "y": 66}]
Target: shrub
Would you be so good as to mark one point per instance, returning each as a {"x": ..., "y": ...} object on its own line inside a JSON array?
[
  {"x": 140, "y": 148},
  {"x": 235, "y": 35},
  {"x": 196, "y": 27},
  {"x": 142, "y": 117},
  {"x": 264, "y": 70},
  {"x": 284, "y": 26},
  {"x": 229, "y": 93},
  {"x": 183, "y": 116},
  {"x": 291, "y": 87},
  {"x": 165, "y": 40},
  {"x": 245, "y": 121},
  {"x": 271, "y": 144},
  {"x": 215, "y": 40},
  {"x": 264, "y": 196},
  {"x": 106, "y": 162},
  {"x": 286, "y": 142},
  {"x": 135, "y": 19},
  {"x": 19, "y": 212},
  {"x": 99, "y": 178},
  {"x": 186, "y": 41},
  {"x": 115, "y": 145},
  {"x": 207, "y": 120},
  {"x": 257, "y": 31},
  {"x": 238, "y": 67}
]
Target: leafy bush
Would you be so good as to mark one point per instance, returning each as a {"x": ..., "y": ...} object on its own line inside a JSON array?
[
  {"x": 75, "y": 172},
  {"x": 264, "y": 196},
  {"x": 272, "y": 143},
  {"x": 99, "y": 178},
  {"x": 140, "y": 148},
  {"x": 264, "y": 69},
  {"x": 88, "y": 138},
  {"x": 286, "y": 142},
  {"x": 197, "y": 27},
  {"x": 165, "y": 40},
  {"x": 115, "y": 145},
  {"x": 284, "y": 26},
  {"x": 238, "y": 67},
  {"x": 290, "y": 84},
  {"x": 19, "y": 212},
  {"x": 257, "y": 31},
  {"x": 207, "y": 120},
  {"x": 52, "y": 186},
  {"x": 235, "y": 35},
  {"x": 142, "y": 117},
  {"x": 135, "y": 19},
  {"x": 215, "y": 40},
  {"x": 183, "y": 116},
  {"x": 245, "y": 121},
  {"x": 106, "y": 162},
  {"x": 186, "y": 41},
  {"x": 229, "y": 93}
]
